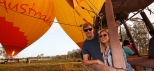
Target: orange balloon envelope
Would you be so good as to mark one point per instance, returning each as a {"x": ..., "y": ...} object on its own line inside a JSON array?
[
  {"x": 71, "y": 14},
  {"x": 22, "y": 22}
]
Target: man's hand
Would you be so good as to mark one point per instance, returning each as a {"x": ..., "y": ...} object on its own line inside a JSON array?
[{"x": 100, "y": 62}]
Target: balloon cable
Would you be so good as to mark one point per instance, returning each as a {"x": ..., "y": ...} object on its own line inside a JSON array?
[
  {"x": 93, "y": 5},
  {"x": 37, "y": 17},
  {"x": 85, "y": 9},
  {"x": 93, "y": 11}
]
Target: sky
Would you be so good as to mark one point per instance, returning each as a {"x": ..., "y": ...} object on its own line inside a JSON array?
[
  {"x": 151, "y": 17},
  {"x": 56, "y": 42}
]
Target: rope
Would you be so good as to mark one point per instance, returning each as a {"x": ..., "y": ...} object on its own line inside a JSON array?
[
  {"x": 91, "y": 8},
  {"x": 141, "y": 11},
  {"x": 93, "y": 5},
  {"x": 86, "y": 9},
  {"x": 133, "y": 15}
]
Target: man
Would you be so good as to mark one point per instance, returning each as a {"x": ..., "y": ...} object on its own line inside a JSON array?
[{"x": 91, "y": 47}]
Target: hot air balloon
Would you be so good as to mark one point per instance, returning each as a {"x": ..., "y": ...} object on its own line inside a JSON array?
[
  {"x": 22, "y": 22},
  {"x": 71, "y": 14}
]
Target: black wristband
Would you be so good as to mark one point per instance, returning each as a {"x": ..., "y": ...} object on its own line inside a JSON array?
[{"x": 121, "y": 69}]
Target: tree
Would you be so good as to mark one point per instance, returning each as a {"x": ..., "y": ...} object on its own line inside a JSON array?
[
  {"x": 140, "y": 34},
  {"x": 68, "y": 54},
  {"x": 38, "y": 57},
  {"x": 41, "y": 55},
  {"x": 75, "y": 53},
  {"x": 3, "y": 52},
  {"x": 122, "y": 33}
]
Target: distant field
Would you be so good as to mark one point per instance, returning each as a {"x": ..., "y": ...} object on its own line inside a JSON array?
[{"x": 48, "y": 65}]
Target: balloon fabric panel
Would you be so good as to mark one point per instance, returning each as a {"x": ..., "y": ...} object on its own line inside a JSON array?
[{"x": 24, "y": 22}]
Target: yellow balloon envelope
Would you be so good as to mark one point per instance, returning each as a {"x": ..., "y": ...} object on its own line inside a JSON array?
[
  {"x": 71, "y": 14},
  {"x": 22, "y": 22}
]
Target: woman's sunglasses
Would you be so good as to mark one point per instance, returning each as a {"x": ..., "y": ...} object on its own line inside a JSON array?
[
  {"x": 86, "y": 30},
  {"x": 103, "y": 35}
]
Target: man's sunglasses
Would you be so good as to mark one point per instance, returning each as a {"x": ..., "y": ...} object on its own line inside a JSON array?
[
  {"x": 86, "y": 30},
  {"x": 103, "y": 35}
]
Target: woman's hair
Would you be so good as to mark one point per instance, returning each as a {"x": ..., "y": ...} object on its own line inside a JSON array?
[
  {"x": 126, "y": 42},
  {"x": 102, "y": 45}
]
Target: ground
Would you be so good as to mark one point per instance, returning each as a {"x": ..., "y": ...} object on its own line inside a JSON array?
[{"x": 48, "y": 65}]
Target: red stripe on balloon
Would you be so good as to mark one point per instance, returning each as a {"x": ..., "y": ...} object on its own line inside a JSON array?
[{"x": 11, "y": 38}]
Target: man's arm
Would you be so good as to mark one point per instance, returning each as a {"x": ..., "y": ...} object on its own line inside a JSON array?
[{"x": 89, "y": 62}]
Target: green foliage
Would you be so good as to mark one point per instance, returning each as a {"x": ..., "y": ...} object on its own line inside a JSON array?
[
  {"x": 140, "y": 35},
  {"x": 74, "y": 53}
]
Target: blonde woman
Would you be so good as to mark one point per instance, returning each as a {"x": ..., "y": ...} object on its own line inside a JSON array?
[{"x": 105, "y": 49}]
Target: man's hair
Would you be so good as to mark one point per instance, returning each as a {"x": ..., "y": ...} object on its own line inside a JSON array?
[{"x": 87, "y": 24}]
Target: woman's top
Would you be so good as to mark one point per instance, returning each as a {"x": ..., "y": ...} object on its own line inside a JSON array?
[{"x": 108, "y": 60}]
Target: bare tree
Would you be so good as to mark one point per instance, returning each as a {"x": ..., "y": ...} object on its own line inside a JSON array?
[
  {"x": 68, "y": 54},
  {"x": 41, "y": 55},
  {"x": 38, "y": 57}
]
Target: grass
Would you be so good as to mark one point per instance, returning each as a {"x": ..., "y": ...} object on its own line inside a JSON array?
[{"x": 48, "y": 65}]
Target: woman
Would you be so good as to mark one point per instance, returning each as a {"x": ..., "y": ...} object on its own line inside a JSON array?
[{"x": 105, "y": 49}]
